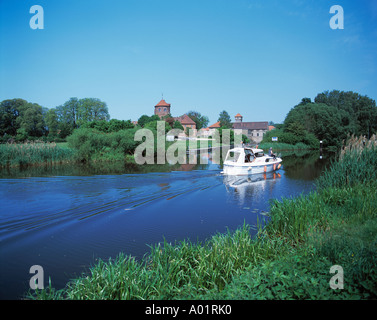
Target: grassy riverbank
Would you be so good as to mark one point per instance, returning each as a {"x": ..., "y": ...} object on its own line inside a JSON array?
[
  {"x": 284, "y": 146},
  {"x": 290, "y": 258}
]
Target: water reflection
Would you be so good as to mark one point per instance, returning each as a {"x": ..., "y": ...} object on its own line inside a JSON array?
[
  {"x": 244, "y": 188},
  {"x": 305, "y": 165}
]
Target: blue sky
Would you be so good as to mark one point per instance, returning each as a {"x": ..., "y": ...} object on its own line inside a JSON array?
[{"x": 258, "y": 58}]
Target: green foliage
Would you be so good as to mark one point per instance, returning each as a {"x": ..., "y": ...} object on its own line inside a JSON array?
[
  {"x": 293, "y": 138},
  {"x": 33, "y": 153},
  {"x": 333, "y": 115},
  {"x": 25, "y": 120},
  {"x": 357, "y": 166},
  {"x": 200, "y": 120},
  {"x": 225, "y": 120},
  {"x": 144, "y": 119},
  {"x": 359, "y": 113},
  {"x": 319, "y": 119},
  {"x": 113, "y": 125},
  {"x": 177, "y": 125},
  {"x": 91, "y": 144}
]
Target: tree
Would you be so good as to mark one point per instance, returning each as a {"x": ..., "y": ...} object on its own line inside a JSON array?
[
  {"x": 322, "y": 120},
  {"x": 225, "y": 121},
  {"x": 177, "y": 125},
  {"x": 9, "y": 112},
  {"x": 144, "y": 119},
  {"x": 200, "y": 120},
  {"x": 32, "y": 120},
  {"x": 358, "y": 113},
  {"x": 51, "y": 120},
  {"x": 91, "y": 109}
]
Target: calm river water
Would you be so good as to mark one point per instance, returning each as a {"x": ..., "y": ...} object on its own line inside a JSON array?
[{"x": 65, "y": 218}]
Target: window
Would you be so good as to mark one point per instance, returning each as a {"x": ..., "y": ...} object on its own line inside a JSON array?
[{"x": 233, "y": 156}]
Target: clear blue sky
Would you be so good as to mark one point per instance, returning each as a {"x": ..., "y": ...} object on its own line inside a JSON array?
[{"x": 254, "y": 57}]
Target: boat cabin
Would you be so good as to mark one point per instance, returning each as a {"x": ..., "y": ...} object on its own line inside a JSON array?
[{"x": 243, "y": 155}]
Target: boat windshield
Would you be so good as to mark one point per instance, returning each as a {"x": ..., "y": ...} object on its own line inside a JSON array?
[
  {"x": 249, "y": 155},
  {"x": 233, "y": 156}
]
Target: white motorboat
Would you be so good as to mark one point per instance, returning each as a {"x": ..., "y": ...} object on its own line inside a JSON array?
[{"x": 245, "y": 161}]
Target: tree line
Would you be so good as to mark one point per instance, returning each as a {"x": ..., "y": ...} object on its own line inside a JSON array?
[
  {"x": 22, "y": 120},
  {"x": 331, "y": 118}
]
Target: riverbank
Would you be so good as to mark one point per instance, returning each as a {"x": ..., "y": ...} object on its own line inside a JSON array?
[
  {"x": 284, "y": 146},
  {"x": 290, "y": 258}
]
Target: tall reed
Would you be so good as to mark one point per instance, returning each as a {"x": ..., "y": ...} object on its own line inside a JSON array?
[
  {"x": 33, "y": 153},
  {"x": 357, "y": 164}
]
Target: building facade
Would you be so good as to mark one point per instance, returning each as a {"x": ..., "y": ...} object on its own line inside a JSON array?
[{"x": 253, "y": 130}]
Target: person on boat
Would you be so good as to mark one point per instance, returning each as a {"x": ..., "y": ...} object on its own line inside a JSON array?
[{"x": 271, "y": 154}]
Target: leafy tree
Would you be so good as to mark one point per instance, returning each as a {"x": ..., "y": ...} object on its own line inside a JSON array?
[
  {"x": 177, "y": 125},
  {"x": 225, "y": 121},
  {"x": 144, "y": 119},
  {"x": 52, "y": 123},
  {"x": 319, "y": 119},
  {"x": 9, "y": 112},
  {"x": 32, "y": 120},
  {"x": 91, "y": 109},
  {"x": 200, "y": 120},
  {"x": 358, "y": 113}
]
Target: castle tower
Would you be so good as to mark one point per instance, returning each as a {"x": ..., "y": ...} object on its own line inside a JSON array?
[
  {"x": 238, "y": 117},
  {"x": 162, "y": 108}
]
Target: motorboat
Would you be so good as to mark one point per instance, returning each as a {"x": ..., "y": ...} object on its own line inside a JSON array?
[{"x": 246, "y": 161}]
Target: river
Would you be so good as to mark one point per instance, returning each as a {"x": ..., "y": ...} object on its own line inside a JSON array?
[{"x": 65, "y": 218}]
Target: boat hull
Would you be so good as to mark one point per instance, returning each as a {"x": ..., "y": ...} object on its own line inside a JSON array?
[{"x": 247, "y": 169}]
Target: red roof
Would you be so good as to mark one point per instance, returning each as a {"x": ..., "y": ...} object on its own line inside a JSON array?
[
  {"x": 238, "y": 115},
  {"x": 163, "y": 103},
  {"x": 215, "y": 125},
  {"x": 185, "y": 119}
]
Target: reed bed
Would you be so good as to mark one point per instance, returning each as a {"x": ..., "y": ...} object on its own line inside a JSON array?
[
  {"x": 357, "y": 164},
  {"x": 33, "y": 153}
]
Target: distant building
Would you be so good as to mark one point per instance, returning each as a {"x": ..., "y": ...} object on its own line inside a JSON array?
[
  {"x": 186, "y": 122},
  {"x": 253, "y": 130},
  {"x": 162, "y": 109}
]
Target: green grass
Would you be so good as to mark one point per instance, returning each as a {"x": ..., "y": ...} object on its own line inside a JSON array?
[
  {"x": 284, "y": 146},
  {"x": 289, "y": 258},
  {"x": 34, "y": 153}
]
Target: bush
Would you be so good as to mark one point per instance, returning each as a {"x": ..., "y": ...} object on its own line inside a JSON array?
[{"x": 93, "y": 144}]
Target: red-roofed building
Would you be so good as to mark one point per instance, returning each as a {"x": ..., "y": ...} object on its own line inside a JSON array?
[
  {"x": 162, "y": 108},
  {"x": 215, "y": 125},
  {"x": 186, "y": 121},
  {"x": 253, "y": 130}
]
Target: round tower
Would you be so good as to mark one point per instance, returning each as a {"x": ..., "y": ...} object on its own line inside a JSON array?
[{"x": 162, "y": 108}]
